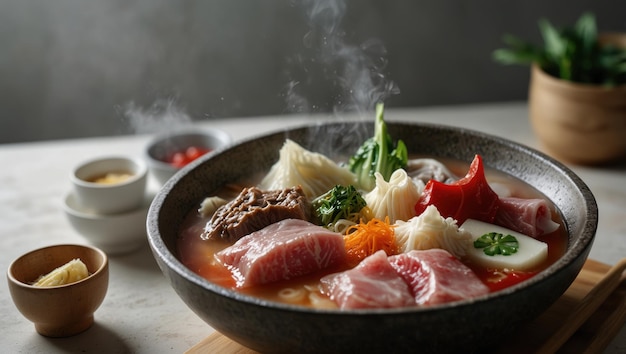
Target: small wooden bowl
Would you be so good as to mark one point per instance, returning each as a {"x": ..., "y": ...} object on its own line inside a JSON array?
[{"x": 65, "y": 310}]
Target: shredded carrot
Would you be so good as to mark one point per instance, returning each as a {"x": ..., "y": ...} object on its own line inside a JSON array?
[{"x": 365, "y": 238}]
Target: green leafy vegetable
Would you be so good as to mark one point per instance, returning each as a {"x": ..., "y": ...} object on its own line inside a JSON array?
[
  {"x": 338, "y": 203},
  {"x": 495, "y": 243},
  {"x": 573, "y": 53},
  {"x": 377, "y": 154}
]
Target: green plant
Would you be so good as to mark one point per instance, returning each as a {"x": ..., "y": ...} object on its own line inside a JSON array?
[{"x": 573, "y": 53}]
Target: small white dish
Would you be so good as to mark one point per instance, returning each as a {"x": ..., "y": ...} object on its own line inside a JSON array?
[
  {"x": 110, "y": 184},
  {"x": 114, "y": 233},
  {"x": 160, "y": 149}
]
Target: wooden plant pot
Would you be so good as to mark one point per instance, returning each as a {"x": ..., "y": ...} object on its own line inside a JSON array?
[{"x": 577, "y": 123}]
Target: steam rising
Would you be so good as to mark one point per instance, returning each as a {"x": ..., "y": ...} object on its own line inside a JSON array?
[
  {"x": 163, "y": 116},
  {"x": 352, "y": 74},
  {"x": 355, "y": 70}
]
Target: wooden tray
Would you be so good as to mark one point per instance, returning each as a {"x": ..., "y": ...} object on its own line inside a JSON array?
[{"x": 593, "y": 336}]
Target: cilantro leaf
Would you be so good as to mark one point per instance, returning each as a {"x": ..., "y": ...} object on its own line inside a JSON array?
[{"x": 494, "y": 243}]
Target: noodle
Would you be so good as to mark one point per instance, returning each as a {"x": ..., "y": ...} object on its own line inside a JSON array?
[
  {"x": 342, "y": 225},
  {"x": 292, "y": 295}
]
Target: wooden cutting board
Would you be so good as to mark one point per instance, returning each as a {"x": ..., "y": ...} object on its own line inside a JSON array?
[{"x": 593, "y": 336}]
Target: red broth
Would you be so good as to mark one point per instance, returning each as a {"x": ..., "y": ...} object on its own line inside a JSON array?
[{"x": 198, "y": 254}]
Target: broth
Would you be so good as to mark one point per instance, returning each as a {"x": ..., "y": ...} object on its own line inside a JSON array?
[{"x": 198, "y": 254}]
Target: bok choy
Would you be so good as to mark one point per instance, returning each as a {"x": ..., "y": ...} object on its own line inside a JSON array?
[{"x": 378, "y": 154}]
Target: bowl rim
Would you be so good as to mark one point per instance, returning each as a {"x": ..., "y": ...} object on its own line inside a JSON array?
[
  {"x": 142, "y": 172},
  {"x": 102, "y": 268},
  {"x": 574, "y": 250}
]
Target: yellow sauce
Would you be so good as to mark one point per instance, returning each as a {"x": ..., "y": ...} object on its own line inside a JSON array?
[{"x": 111, "y": 178}]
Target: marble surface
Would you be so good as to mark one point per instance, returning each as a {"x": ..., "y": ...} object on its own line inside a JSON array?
[{"x": 141, "y": 312}]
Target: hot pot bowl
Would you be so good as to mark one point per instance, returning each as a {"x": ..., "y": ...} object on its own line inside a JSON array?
[{"x": 464, "y": 326}]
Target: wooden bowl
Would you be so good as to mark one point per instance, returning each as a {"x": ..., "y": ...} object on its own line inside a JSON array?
[
  {"x": 579, "y": 123},
  {"x": 65, "y": 310}
]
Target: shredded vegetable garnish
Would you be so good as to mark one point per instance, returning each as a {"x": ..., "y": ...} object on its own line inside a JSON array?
[
  {"x": 365, "y": 238},
  {"x": 341, "y": 202}
]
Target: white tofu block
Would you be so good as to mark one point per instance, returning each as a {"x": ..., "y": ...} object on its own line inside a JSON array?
[{"x": 531, "y": 252}]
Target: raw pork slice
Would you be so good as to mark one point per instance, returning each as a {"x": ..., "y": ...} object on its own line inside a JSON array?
[
  {"x": 530, "y": 217},
  {"x": 435, "y": 276},
  {"x": 284, "y": 250},
  {"x": 372, "y": 284}
]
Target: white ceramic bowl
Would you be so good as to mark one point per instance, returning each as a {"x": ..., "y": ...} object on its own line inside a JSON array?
[
  {"x": 112, "y": 197},
  {"x": 163, "y": 146},
  {"x": 114, "y": 233}
]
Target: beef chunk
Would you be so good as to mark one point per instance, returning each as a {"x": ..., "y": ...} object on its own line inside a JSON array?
[{"x": 254, "y": 209}]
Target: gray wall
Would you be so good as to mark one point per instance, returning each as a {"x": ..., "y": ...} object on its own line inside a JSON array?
[{"x": 71, "y": 68}]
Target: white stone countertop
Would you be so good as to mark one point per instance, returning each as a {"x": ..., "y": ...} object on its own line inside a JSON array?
[{"x": 141, "y": 312}]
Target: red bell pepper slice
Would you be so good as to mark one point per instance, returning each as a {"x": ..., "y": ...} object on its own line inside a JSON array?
[{"x": 468, "y": 198}]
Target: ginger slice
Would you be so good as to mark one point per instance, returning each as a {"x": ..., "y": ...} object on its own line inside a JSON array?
[{"x": 70, "y": 272}]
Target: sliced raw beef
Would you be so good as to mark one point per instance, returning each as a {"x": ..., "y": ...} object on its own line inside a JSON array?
[
  {"x": 531, "y": 217},
  {"x": 281, "y": 251},
  {"x": 435, "y": 277},
  {"x": 255, "y": 209},
  {"x": 372, "y": 284}
]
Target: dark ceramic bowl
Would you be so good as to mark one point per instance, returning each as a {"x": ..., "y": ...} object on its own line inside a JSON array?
[{"x": 464, "y": 326}]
